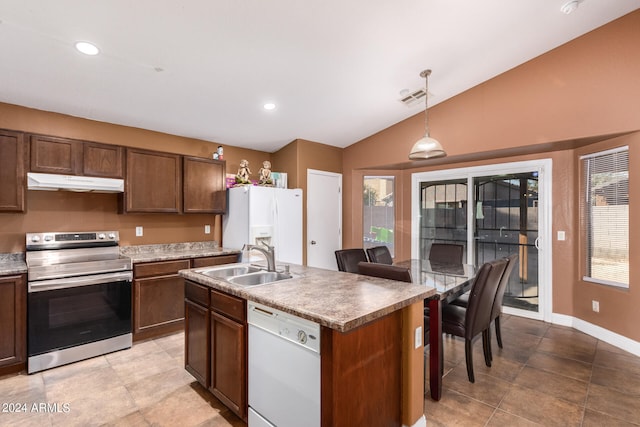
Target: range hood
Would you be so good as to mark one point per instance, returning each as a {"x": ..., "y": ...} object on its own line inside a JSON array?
[{"x": 54, "y": 182}]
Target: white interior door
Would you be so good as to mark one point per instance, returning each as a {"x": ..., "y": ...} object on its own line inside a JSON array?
[{"x": 324, "y": 218}]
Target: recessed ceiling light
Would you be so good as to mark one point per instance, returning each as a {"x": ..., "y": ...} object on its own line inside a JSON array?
[
  {"x": 569, "y": 6},
  {"x": 269, "y": 106},
  {"x": 87, "y": 48}
]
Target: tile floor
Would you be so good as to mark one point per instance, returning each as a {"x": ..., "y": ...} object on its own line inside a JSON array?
[{"x": 545, "y": 375}]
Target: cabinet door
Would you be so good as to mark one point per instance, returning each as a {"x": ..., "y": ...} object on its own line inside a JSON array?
[
  {"x": 211, "y": 261},
  {"x": 103, "y": 160},
  {"x": 204, "y": 185},
  {"x": 13, "y": 321},
  {"x": 196, "y": 336},
  {"x": 153, "y": 182},
  {"x": 49, "y": 154},
  {"x": 228, "y": 363},
  {"x": 12, "y": 176},
  {"x": 158, "y": 306}
]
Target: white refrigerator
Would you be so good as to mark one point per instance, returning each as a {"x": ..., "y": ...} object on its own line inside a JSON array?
[{"x": 265, "y": 214}]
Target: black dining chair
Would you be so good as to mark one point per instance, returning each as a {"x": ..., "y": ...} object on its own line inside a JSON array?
[
  {"x": 496, "y": 311},
  {"x": 446, "y": 253},
  {"x": 380, "y": 254},
  {"x": 474, "y": 320},
  {"x": 348, "y": 259},
  {"x": 385, "y": 271}
]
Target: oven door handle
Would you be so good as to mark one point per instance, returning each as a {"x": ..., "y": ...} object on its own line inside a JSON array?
[{"x": 74, "y": 282}]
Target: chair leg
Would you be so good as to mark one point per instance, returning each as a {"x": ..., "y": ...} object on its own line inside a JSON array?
[
  {"x": 498, "y": 332},
  {"x": 469, "y": 358},
  {"x": 486, "y": 346}
]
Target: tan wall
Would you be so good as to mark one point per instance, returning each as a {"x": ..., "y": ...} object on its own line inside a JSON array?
[
  {"x": 65, "y": 211},
  {"x": 296, "y": 158},
  {"x": 546, "y": 108}
]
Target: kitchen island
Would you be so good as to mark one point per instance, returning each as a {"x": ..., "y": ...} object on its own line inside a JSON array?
[{"x": 372, "y": 370}]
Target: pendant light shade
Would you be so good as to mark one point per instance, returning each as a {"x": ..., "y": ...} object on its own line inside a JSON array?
[{"x": 426, "y": 147}]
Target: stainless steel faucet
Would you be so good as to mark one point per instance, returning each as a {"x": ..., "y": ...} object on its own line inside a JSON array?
[{"x": 268, "y": 251}]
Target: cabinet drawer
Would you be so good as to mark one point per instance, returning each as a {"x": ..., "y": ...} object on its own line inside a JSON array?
[
  {"x": 228, "y": 305},
  {"x": 162, "y": 268},
  {"x": 214, "y": 260},
  {"x": 197, "y": 293}
]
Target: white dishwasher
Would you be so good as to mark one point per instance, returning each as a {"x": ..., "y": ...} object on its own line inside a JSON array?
[{"x": 284, "y": 368}]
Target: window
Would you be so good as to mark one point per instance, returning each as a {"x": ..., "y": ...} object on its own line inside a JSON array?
[
  {"x": 604, "y": 214},
  {"x": 378, "y": 212}
]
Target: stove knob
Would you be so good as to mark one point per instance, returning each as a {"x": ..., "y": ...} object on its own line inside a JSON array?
[
  {"x": 48, "y": 238},
  {"x": 35, "y": 239},
  {"x": 302, "y": 337},
  {"x": 101, "y": 236},
  {"x": 112, "y": 236}
]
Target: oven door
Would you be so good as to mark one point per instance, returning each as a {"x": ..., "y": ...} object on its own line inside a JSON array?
[{"x": 69, "y": 312}]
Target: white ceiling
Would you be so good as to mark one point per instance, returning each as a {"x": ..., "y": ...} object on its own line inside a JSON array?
[{"x": 335, "y": 68}]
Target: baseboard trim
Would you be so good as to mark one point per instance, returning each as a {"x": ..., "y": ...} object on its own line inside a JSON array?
[
  {"x": 421, "y": 422},
  {"x": 598, "y": 332}
]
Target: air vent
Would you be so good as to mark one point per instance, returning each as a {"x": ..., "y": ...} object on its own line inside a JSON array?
[{"x": 413, "y": 98}]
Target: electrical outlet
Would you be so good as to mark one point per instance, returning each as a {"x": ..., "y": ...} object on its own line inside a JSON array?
[
  {"x": 418, "y": 337},
  {"x": 207, "y": 229},
  {"x": 595, "y": 306},
  {"x": 562, "y": 235},
  {"x": 139, "y": 231}
]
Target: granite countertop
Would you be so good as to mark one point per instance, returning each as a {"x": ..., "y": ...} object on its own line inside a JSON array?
[
  {"x": 340, "y": 301},
  {"x": 12, "y": 263},
  {"x": 172, "y": 251}
]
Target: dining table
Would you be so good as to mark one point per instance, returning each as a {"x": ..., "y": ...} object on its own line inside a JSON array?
[{"x": 450, "y": 281}]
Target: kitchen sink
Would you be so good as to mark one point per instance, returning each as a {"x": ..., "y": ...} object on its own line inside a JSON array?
[
  {"x": 260, "y": 278},
  {"x": 226, "y": 271},
  {"x": 244, "y": 274}
]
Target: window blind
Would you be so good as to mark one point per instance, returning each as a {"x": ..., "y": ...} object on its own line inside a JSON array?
[{"x": 605, "y": 216}]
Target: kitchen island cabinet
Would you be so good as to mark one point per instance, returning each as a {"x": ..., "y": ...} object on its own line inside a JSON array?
[
  {"x": 216, "y": 344},
  {"x": 13, "y": 322},
  {"x": 372, "y": 370},
  {"x": 12, "y": 176}
]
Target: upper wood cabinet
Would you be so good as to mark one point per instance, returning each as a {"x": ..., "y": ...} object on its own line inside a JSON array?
[
  {"x": 50, "y": 154},
  {"x": 153, "y": 182},
  {"x": 204, "y": 189},
  {"x": 12, "y": 176},
  {"x": 103, "y": 160}
]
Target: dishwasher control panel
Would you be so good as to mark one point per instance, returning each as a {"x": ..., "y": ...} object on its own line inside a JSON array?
[{"x": 292, "y": 328}]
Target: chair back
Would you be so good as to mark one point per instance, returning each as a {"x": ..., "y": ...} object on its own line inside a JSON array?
[
  {"x": 385, "y": 271},
  {"x": 380, "y": 254},
  {"x": 446, "y": 253},
  {"x": 348, "y": 259},
  {"x": 512, "y": 260},
  {"x": 483, "y": 293}
]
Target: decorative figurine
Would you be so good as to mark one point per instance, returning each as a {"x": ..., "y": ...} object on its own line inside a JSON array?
[
  {"x": 219, "y": 154},
  {"x": 265, "y": 174},
  {"x": 242, "y": 177}
]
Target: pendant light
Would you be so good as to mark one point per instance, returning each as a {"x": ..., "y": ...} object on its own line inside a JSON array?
[{"x": 426, "y": 147}]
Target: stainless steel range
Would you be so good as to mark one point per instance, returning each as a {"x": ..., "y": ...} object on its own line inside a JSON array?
[{"x": 79, "y": 297}]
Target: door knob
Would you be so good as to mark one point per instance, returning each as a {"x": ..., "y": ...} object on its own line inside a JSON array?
[{"x": 313, "y": 242}]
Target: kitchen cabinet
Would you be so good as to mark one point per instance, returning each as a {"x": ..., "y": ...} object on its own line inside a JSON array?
[
  {"x": 229, "y": 351},
  {"x": 13, "y": 323},
  {"x": 204, "y": 188},
  {"x": 159, "y": 294},
  {"x": 49, "y": 154},
  {"x": 153, "y": 182},
  {"x": 197, "y": 332},
  {"x": 216, "y": 344},
  {"x": 12, "y": 171}
]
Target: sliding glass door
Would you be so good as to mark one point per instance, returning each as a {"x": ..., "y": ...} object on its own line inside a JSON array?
[{"x": 494, "y": 211}]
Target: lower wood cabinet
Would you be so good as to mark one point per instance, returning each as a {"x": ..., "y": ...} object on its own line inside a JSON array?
[
  {"x": 13, "y": 323},
  {"x": 159, "y": 294},
  {"x": 216, "y": 344}
]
